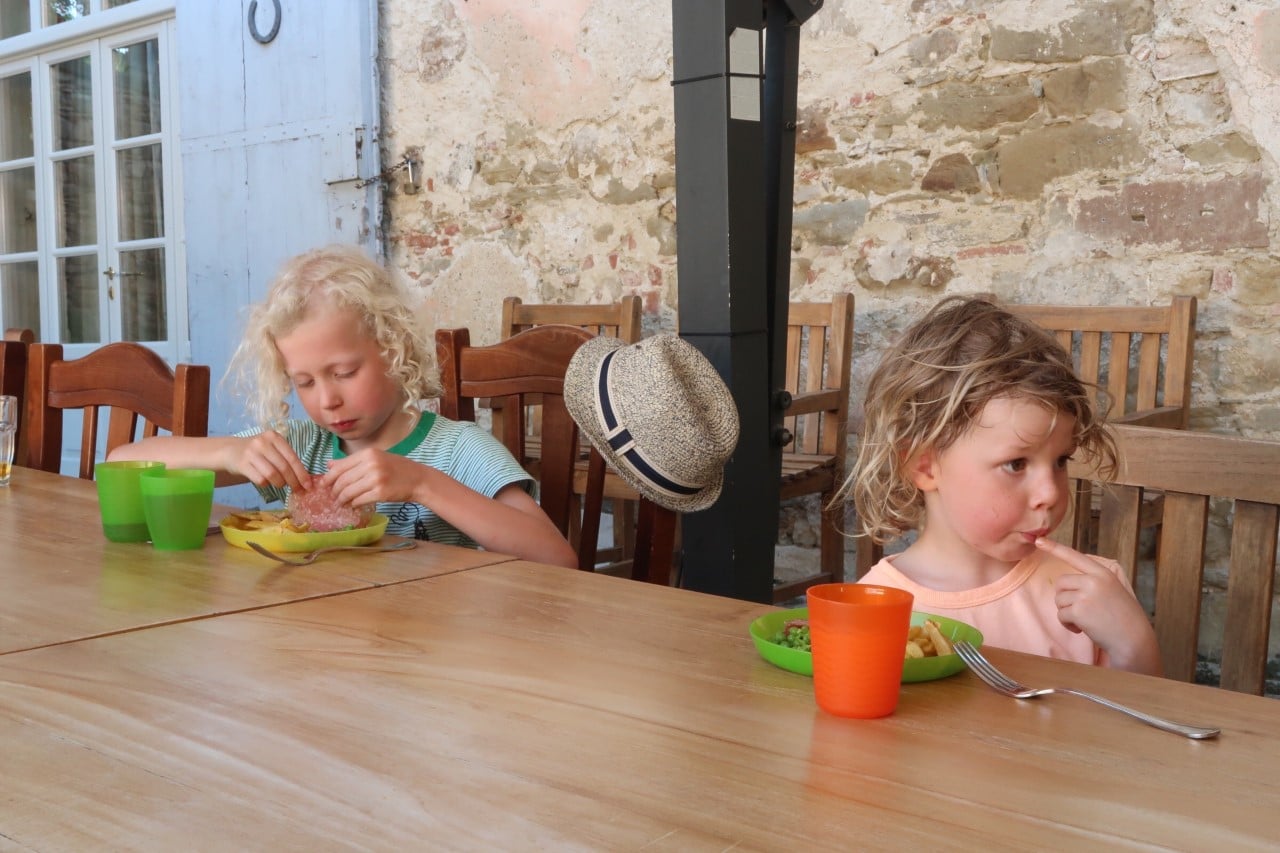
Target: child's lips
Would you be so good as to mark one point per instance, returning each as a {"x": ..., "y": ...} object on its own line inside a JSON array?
[{"x": 341, "y": 426}]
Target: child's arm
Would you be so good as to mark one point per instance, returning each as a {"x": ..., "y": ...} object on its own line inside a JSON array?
[
  {"x": 1095, "y": 601},
  {"x": 262, "y": 459},
  {"x": 509, "y": 523}
]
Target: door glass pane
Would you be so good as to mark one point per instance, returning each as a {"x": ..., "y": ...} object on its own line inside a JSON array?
[
  {"x": 78, "y": 299},
  {"x": 142, "y": 307},
  {"x": 74, "y": 196},
  {"x": 20, "y": 296},
  {"x": 136, "y": 82},
  {"x": 15, "y": 18},
  {"x": 18, "y": 210},
  {"x": 57, "y": 11},
  {"x": 140, "y": 207},
  {"x": 16, "y": 139},
  {"x": 72, "y": 104}
]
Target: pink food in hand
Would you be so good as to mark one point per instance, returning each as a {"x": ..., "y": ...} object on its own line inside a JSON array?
[{"x": 318, "y": 508}]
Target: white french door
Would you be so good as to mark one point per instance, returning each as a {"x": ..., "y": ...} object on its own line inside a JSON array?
[{"x": 88, "y": 189}]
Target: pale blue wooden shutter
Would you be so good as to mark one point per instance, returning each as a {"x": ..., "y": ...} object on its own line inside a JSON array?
[{"x": 274, "y": 138}]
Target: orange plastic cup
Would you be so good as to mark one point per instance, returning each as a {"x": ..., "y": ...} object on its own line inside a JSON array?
[{"x": 858, "y": 634}]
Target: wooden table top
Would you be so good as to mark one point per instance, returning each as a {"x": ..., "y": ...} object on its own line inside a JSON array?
[
  {"x": 62, "y": 580},
  {"x": 516, "y": 706}
]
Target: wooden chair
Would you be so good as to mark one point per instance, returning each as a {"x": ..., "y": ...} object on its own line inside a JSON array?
[
  {"x": 1142, "y": 357},
  {"x": 1192, "y": 469},
  {"x": 819, "y": 356},
  {"x": 13, "y": 378},
  {"x": 130, "y": 380},
  {"x": 532, "y": 364},
  {"x": 621, "y": 320}
]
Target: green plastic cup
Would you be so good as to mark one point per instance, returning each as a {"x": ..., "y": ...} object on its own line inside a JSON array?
[
  {"x": 177, "y": 503},
  {"x": 120, "y": 499}
]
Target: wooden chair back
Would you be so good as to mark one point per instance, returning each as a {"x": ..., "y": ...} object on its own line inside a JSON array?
[
  {"x": 818, "y": 370},
  {"x": 130, "y": 381},
  {"x": 529, "y": 364},
  {"x": 620, "y": 320},
  {"x": 509, "y": 372},
  {"x": 1141, "y": 356},
  {"x": 1195, "y": 470}
]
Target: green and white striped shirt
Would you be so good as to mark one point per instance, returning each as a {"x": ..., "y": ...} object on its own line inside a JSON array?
[{"x": 460, "y": 449}]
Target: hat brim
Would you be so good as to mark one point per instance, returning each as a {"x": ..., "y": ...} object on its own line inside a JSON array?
[{"x": 580, "y": 400}]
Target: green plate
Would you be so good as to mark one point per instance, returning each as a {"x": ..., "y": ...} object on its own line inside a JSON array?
[
  {"x": 286, "y": 541},
  {"x": 765, "y": 628}
]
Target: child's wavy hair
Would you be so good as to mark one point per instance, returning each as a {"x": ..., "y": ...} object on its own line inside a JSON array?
[
  {"x": 931, "y": 386},
  {"x": 326, "y": 279}
]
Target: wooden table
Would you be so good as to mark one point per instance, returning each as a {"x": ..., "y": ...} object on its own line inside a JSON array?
[
  {"x": 517, "y": 706},
  {"x": 61, "y": 580}
]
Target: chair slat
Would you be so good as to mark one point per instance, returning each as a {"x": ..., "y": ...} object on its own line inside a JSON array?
[
  {"x": 1148, "y": 373},
  {"x": 1250, "y": 586},
  {"x": 1090, "y": 365},
  {"x": 1118, "y": 373},
  {"x": 1179, "y": 579},
  {"x": 1118, "y": 526}
]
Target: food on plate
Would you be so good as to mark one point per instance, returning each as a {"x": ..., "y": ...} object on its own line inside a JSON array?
[
  {"x": 270, "y": 520},
  {"x": 316, "y": 508},
  {"x": 923, "y": 641},
  {"x": 927, "y": 640},
  {"x": 794, "y": 635}
]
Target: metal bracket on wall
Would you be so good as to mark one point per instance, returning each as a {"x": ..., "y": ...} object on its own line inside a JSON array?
[
  {"x": 412, "y": 162},
  {"x": 253, "y": 23}
]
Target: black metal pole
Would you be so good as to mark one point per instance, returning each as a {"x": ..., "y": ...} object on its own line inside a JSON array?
[{"x": 735, "y": 151}]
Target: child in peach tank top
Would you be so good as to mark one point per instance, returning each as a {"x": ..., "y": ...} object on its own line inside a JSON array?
[{"x": 970, "y": 420}]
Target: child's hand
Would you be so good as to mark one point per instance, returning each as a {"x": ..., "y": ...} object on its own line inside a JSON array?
[
  {"x": 267, "y": 459},
  {"x": 370, "y": 476},
  {"x": 1095, "y": 601}
]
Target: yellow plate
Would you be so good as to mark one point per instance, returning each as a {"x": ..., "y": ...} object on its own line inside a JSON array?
[{"x": 276, "y": 540}]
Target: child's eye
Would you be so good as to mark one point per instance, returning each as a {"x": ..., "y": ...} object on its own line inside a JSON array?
[
  {"x": 1064, "y": 460},
  {"x": 303, "y": 383},
  {"x": 1013, "y": 466},
  {"x": 346, "y": 375}
]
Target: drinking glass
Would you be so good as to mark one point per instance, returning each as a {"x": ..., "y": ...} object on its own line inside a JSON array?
[{"x": 8, "y": 435}]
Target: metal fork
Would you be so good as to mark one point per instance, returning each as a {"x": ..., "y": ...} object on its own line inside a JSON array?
[
  {"x": 1002, "y": 683},
  {"x": 310, "y": 557}
]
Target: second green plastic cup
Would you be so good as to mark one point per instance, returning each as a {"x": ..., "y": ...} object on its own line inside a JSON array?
[
  {"x": 177, "y": 503},
  {"x": 120, "y": 499}
]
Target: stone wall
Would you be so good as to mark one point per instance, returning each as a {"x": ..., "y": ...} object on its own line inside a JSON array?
[{"x": 1062, "y": 151}]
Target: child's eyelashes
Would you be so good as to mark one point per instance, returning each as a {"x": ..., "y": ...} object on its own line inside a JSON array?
[{"x": 1015, "y": 466}]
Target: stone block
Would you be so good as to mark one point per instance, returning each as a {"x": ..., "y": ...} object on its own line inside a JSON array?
[
  {"x": 980, "y": 105},
  {"x": 1029, "y": 161},
  {"x": 1188, "y": 215},
  {"x": 951, "y": 173},
  {"x": 1079, "y": 90},
  {"x": 1219, "y": 150},
  {"x": 831, "y": 224},
  {"x": 1095, "y": 29},
  {"x": 882, "y": 177}
]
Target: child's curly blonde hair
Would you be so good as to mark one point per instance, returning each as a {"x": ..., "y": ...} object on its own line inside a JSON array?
[
  {"x": 326, "y": 279},
  {"x": 931, "y": 386}
]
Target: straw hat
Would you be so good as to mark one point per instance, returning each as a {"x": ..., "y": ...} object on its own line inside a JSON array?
[{"x": 659, "y": 413}]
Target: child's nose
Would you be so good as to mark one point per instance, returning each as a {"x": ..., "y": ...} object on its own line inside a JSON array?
[
  {"x": 1046, "y": 490},
  {"x": 329, "y": 396}
]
